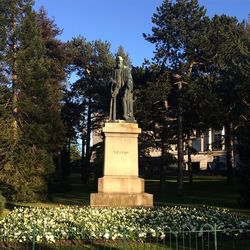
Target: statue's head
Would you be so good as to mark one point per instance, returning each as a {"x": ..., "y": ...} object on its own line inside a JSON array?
[{"x": 119, "y": 62}]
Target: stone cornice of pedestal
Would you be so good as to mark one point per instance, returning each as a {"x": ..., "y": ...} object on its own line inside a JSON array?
[{"x": 124, "y": 127}]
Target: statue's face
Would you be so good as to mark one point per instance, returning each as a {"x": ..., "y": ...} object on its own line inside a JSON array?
[{"x": 119, "y": 62}]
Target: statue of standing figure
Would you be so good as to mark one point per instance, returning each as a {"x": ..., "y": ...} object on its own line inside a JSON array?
[{"x": 121, "y": 103}]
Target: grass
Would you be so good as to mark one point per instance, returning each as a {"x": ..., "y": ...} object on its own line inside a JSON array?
[
  {"x": 205, "y": 190},
  {"x": 119, "y": 245},
  {"x": 208, "y": 190}
]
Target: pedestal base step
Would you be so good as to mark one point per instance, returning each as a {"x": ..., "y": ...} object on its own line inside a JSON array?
[
  {"x": 121, "y": 200},
  {"x": 121, "y": 185}
]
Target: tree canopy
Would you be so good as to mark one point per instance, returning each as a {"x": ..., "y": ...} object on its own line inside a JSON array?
[{"x": 54, "y": 94}]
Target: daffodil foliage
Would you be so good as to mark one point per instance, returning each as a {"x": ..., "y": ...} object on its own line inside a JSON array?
[{"x": 51, "y": 224}]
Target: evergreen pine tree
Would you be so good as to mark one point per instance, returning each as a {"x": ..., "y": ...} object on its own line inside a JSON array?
[
  {"x": 55, "y": 58},
  {"x": 229, "y": 57},
  {"x": 179, "y": 34},
  {"x": 92, "y": 62},
  {"x": 27, "y": 163}
]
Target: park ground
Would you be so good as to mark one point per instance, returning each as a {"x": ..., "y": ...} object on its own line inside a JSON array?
[{"x": 205, "y": 190}]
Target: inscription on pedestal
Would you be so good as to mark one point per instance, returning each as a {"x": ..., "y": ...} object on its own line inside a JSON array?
[
  {"x": 121, "y": 158},
  {"x": 120, "y": 152}
]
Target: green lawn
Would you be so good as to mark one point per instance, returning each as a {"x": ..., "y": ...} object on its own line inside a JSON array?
[
  {"x": 205, "y": 190},
  {"x": 222, "y": 245},
  {"x": 120, "y": 245}
]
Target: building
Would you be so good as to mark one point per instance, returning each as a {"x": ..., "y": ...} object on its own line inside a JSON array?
[{"x": 209, "y": 147}]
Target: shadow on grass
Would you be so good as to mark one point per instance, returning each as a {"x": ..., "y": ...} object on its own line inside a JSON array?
[
  {"x": 205, "y": 190},
  {"x": 119, "y": 245},
  {"x": 79, "y": 245}
]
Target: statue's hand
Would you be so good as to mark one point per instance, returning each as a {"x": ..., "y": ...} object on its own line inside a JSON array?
[{"x": 114, "y": 92}]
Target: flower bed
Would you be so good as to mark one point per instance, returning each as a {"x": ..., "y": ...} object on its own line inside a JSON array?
[{"x": 51, "y": 224}]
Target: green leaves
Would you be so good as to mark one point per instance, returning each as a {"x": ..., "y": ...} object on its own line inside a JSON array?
[
  {"x": 61, "y": 223},
  {"x": 30, "y": 104},
  {"x": 179, "y": 33}
]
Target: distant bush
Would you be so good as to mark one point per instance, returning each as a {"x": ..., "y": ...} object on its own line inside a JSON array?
[{"x": 2, "y": 203}]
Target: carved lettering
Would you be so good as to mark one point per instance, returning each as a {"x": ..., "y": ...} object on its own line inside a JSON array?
[{"x": 120, "y": 152}]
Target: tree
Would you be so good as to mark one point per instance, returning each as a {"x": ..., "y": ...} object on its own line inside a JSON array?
[
  {"x": 56, "y": 59},
  {"x": 179, "y": 34},
  {"x": 152, "y": 88},
  {"x": 72, "y": 115},
  {"x": 243, "y": 130},
  {"x": 92, "y": 62},
  {"x": 75, "y": 153},
  {"x": 27, "y": 162},
  {"x": 5, "y": 91},
  {"x": 244, "y": 163},
  {"x": 201, "y": 112},
  {"x": 229, "y": 57},
  {"x": 207, "y": 54}
]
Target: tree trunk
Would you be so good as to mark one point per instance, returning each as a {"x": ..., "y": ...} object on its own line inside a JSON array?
[
  {"x": 88, "y": 134},
  {"x": 69, "y": 151},
  {"x": 229, "y": 151},
  {"x": 66, "y": 170},
  {"x": 14, "y": 81},
  {"x": 65, "y": 158},
  {"x": 58, "y": 164},
  {"x": 180, "y": 144},
  {"x": 83, "y": 145},
  {"x": 83, "y": 152},
  {"x": 85, "y": 174},
  {"x": 190, "y": 169},
  {"x": 162, "y": 167}
]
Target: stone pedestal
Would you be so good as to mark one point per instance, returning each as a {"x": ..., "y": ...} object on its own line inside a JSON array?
[{"x": 121, "y": 186}]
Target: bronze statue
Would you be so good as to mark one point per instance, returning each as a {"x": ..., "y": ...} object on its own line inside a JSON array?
[{"x": 121, "y": 104}]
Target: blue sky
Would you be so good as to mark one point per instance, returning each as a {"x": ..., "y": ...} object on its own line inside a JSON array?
[{"x": 122, "y": 22}]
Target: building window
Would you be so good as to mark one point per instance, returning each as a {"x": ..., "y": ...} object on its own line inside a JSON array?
[{"x": 217, "y": 143}]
